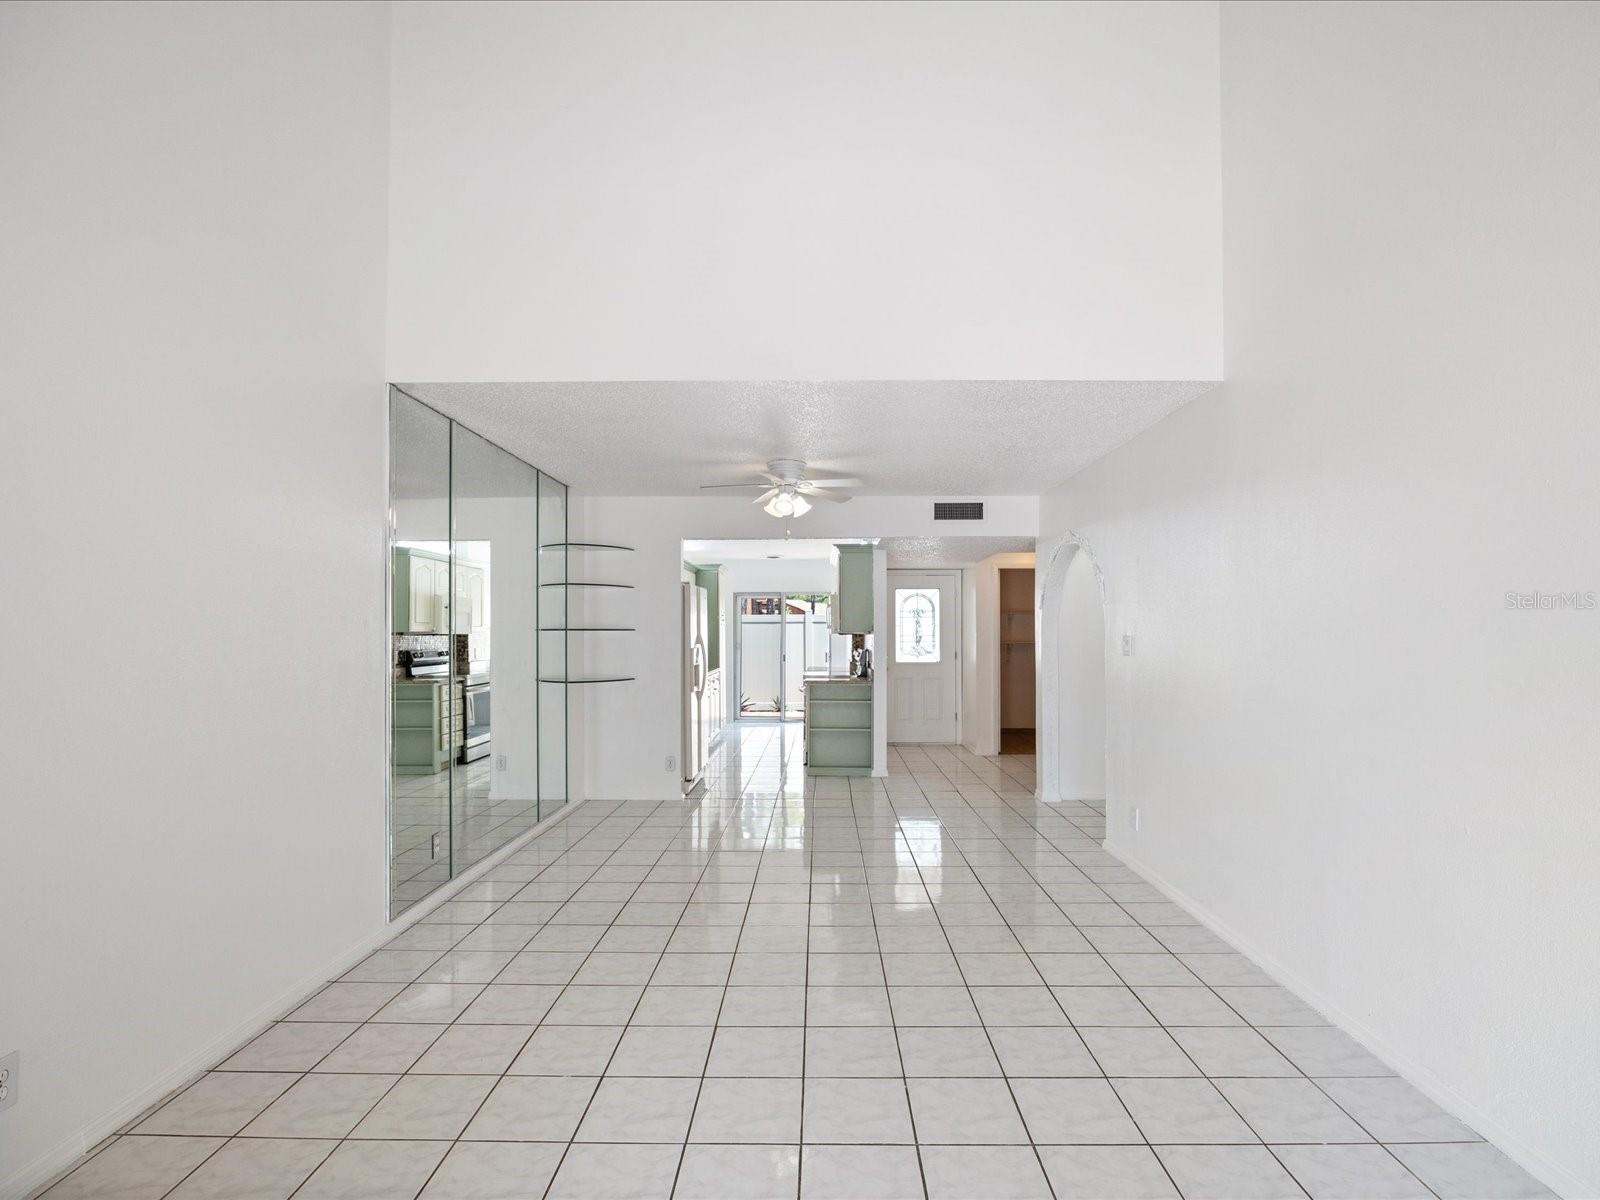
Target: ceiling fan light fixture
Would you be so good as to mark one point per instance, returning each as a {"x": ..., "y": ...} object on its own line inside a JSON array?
[
  {"x": 788, "y": 503},
  {"x": 785, "y": 490}
]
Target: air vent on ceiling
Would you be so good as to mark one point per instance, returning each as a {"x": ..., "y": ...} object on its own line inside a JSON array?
[{"x": 957, "y": 510}]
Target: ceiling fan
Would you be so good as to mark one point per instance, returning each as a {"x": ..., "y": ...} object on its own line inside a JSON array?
[{"x": 786, "y": 491}]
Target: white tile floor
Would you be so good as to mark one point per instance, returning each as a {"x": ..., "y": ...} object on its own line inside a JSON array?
[{"x": 926, "y": 985}]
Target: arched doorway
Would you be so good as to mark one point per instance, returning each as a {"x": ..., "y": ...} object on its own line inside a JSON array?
[{"x": 1072, "y": 669}]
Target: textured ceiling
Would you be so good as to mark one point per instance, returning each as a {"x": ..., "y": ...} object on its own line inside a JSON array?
[
  {"x": 902, "y": 438},
  {"x": 950, "y": 551},
  {"x": 739, "y": 549},
  {"x": 902, "y": 551}
]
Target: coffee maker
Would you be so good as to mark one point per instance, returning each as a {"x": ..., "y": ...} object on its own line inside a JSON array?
[{"x": 860, "y": 656}]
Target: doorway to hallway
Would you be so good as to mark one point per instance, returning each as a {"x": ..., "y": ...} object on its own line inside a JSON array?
[
  {"x": 1073, "y": 753},
  {"x": 1017, "y": 689}
]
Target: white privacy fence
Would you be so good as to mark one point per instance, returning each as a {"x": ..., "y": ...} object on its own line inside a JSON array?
[{"x": 807, "y": 641}]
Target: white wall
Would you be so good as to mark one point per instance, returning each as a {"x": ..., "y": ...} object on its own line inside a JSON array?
[
  {"x": 192, "y": 308},
  {"x": 1351, "y": 755},
  {"x": 978, "y": 707},
  {"x": 880, "y": 683},
  {"x": 630, "y": 735},
  {"x": 804, "y": 191},
  {"x": 1080, "y": 651}
]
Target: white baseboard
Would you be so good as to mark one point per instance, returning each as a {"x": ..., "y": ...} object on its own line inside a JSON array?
[
  {"x": 65, "y": 1155},
  {"x": 1552, "y": 1175}
]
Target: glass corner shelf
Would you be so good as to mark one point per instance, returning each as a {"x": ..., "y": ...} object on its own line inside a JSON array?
[{"x": 564, "y": 616}]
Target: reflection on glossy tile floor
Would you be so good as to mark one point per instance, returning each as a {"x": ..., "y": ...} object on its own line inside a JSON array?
[{"x": 930, "y": 984}]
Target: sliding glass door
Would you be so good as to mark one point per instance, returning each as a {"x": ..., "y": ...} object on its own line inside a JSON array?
[{"x": 783, "y": 639}]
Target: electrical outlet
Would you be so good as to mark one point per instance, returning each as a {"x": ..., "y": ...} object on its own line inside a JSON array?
[
  {"x": 499, "y": 762},
  {"x": 8, "y": 1078},
  {"x": 672, "y": 762},
  {"x": 434, "y": 845},
  {"x": 1127, "y": 645}
]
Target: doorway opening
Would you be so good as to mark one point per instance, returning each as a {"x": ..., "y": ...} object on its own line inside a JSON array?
[
  {"x": 1017, "y": 705},
  {"x": 781, "y": 640},
  {"x": 1073, "y": 751}
]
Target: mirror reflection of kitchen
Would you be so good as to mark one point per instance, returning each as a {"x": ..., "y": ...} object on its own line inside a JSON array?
[
  {"x": 457, "y": 662},
  {"x": 467, "y": 574},
  {"x": 442, "y": 702}
]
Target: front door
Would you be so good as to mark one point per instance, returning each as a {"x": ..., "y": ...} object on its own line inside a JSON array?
[{"x": 924, "y": 676}]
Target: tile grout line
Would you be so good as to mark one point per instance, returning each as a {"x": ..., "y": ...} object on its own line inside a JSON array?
[
  {"x": 578, "y": 1125},
  {"x": 917, "y": 867},
  {"x": 984, "y": 1025},
  {"x": 1247, "y": 1023},
  {"x": 977, "y": 812},
  {"x": 727, "y": 982},
  {"x": 302, "y": 1075},
  {"x": 451, "y": 1024},
  {"x": 1122, "y": 1102},
  {"x": 533, "y": 1032},
  {"x": 1202, "y": 1074}
]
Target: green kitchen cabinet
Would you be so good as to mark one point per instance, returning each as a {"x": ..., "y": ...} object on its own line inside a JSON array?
[
  {"x": 710, "y": 578},
  {"x": 422, "y": 713},
  {"x": 839, "y": 727},
  {"x": 852, "y": 602}
]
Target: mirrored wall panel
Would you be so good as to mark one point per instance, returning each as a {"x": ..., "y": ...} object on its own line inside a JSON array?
[
  {"x": 425, "y": 724},
  {"x": 495, "y": 556},
  {"x": 478, "y": 742},
  {"x": 557, "y": 607}
]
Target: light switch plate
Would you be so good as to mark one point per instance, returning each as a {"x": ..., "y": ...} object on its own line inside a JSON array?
[{"x": 8, "y": 1079}]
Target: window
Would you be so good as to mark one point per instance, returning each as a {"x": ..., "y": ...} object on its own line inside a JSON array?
[{"x": 916, "y": 625}]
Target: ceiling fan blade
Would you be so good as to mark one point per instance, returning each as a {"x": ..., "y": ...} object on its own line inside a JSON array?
[
  {"x": 756, "y": 483},
  {"x": 829, "y": 483},
  {"x": 766, "y": 495},
  {"x": 830, "y": 497}
]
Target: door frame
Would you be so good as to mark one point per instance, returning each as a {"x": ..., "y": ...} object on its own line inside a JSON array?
[
  {"x": 783, "y": 654},
  {"x": 1049, "y": 583},
  {"x": 738, "y": 656},
  {"x": 886, "y": 652}
]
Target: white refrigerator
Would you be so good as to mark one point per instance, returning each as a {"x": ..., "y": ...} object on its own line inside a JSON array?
[{"x": 696, "y": 718}]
